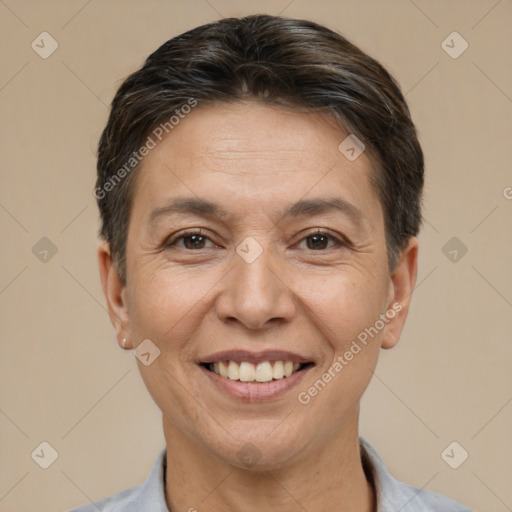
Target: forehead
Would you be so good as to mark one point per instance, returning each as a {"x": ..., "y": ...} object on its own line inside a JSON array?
[
  {"x": 222, "y": 132},
  {"x": 261, "y": 154}
]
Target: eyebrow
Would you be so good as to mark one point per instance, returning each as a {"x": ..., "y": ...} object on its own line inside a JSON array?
[{"x": 302, "y": 208}]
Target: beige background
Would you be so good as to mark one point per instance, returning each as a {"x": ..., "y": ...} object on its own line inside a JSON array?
[{"x": 64, "y": 380}]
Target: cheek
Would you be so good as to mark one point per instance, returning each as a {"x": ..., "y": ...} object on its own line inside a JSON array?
[
  {"x": 344, "y": 310},
  {"x": 170, "y": 304},
  {"x": 166, "y": 301},
  {"x": 167, "y": 307},
  {"x": 342, "y": 305}
]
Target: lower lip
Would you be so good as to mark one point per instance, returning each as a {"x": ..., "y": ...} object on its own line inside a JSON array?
[{"x": 256, "y": 391}]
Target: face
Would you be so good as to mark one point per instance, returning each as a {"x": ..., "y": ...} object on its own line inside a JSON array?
[{"x": 256, "y": 248}]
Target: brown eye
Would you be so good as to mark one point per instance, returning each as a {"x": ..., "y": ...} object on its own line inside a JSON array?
[
  {"x": 319, "y": 241},
  {"x": 192, "y": 240}
]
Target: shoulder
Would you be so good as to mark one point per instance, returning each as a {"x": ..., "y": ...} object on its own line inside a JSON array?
[
  {"x": 148, "y": 496},
  {"x": 394, "y": 495},
  {"x": 421, "y": 500},
  {"x": 120, "y": 502}
]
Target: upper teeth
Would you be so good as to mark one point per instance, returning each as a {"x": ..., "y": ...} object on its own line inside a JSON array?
[{"x": 248, "y": 372}]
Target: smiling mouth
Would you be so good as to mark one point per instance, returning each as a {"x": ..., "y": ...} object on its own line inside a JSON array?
[{"x": 265, "y": 371}]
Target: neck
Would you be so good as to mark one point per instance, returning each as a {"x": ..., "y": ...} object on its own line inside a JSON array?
[{"x": 326, "y": 476}]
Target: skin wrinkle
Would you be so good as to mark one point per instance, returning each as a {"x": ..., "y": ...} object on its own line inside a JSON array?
[
  {"x": 278, "y": 216},
  {"x": 193, "y": 302},
  {"x": 279, "y": 226}
]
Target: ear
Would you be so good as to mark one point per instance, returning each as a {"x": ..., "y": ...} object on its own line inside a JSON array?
[
  {"x": 115, "y": 295},
  {"x": 402, "y": 284}
]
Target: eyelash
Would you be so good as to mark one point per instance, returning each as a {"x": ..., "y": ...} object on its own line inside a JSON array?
[{"x": 198, "y": 231}]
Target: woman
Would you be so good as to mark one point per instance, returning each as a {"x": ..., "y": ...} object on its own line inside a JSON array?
[{"x": 259, "y": 184}]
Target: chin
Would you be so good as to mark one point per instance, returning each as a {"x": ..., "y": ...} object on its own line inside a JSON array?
[{"x": 259, "y": 450}]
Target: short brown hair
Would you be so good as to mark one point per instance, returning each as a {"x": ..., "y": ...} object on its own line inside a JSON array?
[{"x": 274, "y": 60}]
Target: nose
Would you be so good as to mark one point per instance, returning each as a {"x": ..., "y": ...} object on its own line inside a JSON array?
[{"x": 256, "y": 294}]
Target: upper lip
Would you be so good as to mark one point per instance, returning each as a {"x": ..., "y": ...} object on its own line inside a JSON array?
[{"x": 254, "y": 357}]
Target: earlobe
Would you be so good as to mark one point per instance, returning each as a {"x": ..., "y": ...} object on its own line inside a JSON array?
[
  {"x": 115, "y": 295},
  {"x": 403, "y": 280}
]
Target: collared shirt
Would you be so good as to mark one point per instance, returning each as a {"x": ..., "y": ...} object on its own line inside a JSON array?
[{"x": 392, "y": 495}]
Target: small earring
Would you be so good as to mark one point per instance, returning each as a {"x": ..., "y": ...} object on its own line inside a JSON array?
[{"x": 123, "y": 342}]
